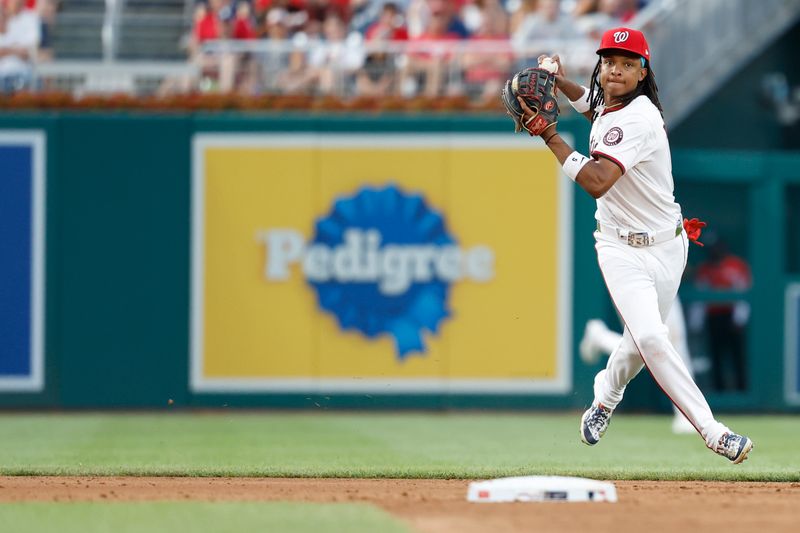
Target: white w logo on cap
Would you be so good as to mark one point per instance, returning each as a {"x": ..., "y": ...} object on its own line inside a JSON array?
[{"x": 620, "y": 36}]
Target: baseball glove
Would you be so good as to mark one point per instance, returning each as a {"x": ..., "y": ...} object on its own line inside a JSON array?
[{"x": 535, "y": 86}]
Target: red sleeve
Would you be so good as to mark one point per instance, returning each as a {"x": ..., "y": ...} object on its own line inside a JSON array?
[
  {"x": 207, "y": 28},
  {"x": 242, "y": 29},
  {"x": 400, "y": 34}
]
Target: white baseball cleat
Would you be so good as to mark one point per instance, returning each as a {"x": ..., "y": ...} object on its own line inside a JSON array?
[
  {"x": 594, "y": 423},
  {"x": 682, "y": 426},
  {"x": 589, "y": 348},
  {"x": 734, "y": 447}
]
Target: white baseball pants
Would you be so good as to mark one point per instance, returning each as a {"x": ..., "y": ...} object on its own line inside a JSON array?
[
  {"x": 608, "y": 340},
  {"x": 643, "y": 283}
]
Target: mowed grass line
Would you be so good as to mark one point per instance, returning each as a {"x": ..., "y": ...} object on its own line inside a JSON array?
[
  {"x": 377, "y": 445},
  {"x": 219, "y": 517}
]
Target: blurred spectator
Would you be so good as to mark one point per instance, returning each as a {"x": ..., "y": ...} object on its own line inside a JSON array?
[
  {"x": 18, "y": 45},
  {"x": 47, "y": 13},
  {"x": 226, "y": 12},
  {"x": 426, "y": 65},
  {"x": 333, "y": 64},
  {"x": 725, "y": 321},
  {"x": 321, "y": 9},
  {"x": 364, "y": 13},
  {"x": 277, "y": 24},
  {"x": 206, "y": 26},
  {"x": 449, "y": 9},
  {"x": 245, "y": 67},
  {"x": 378, "y": 74},
  {"x": 304, "y": 58},
  {"x": 520, "y": 12},
  {"x": 471, "y": 14},
  {"x": 216, "y": 70},
  {"x": 420, "y": 14},
  {"x": 301, "y": 11},
  {"x": 487, "y": 69},
  {"x": 262, "y": 7},
  {"x": 547, "y": 21},
  {"x": 243, "y": 24},
  {"x": 213, "y": 19},
  {"x": 390, "y": 26},
  {"x": 284, "y": 71},
  {"x": 595, "y": 17},
  {"x": 293, "y": 15},
  {"x": 311, "y": 32}
]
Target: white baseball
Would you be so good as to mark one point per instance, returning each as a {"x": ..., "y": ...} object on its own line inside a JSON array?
[{"x": 549, "y": 65}]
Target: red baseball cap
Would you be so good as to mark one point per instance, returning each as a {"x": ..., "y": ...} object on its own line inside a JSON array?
[{"x": 625, "y": 39}]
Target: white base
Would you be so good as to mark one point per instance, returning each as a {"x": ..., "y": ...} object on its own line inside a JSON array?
[{"x": 541, "y": 489}]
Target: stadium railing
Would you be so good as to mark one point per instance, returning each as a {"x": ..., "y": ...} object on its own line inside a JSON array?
[
  {"x": 317, "y": 68},
  {"x": 80, "y": 78}
]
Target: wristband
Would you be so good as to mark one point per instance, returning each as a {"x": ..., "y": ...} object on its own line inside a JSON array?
[
  {"x": 582, "y": 105},
  {"x": 573, "y": 164}
]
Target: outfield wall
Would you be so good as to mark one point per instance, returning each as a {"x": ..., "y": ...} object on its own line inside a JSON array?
[{"x": 205, "y": 260}]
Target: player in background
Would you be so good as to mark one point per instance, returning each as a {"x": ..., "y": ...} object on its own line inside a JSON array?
[
  {"x": 642, "y": 245},
  {"x": 599, "y": 340}
]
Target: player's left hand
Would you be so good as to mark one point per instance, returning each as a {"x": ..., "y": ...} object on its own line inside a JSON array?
[
  {"x": 530, "y": 101},
  {"x": 528, "y": 115}
]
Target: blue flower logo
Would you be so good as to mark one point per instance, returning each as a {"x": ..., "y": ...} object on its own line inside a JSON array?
[{"x": 388, "y": 262}]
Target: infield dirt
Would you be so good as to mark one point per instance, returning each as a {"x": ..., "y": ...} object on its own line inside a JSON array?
[{"x": 440, "y": 506}]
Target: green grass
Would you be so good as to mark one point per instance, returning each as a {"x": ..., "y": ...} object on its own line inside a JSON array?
[
  {"x": 168, "y": 517},
  {"x": 464, "y": 445}
]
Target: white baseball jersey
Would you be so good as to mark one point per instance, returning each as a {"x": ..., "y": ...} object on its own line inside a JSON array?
[{"x": 635, "y": 139}]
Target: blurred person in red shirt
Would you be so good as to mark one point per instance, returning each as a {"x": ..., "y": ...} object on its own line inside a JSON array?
[
  {"x": 429, "y": 54},
  {"x": 218, "y": 19},
  {"x": 245, "y": 67},
  {"x": 378, "y": 75},
  {"x": 487, "y": 69},
  {"x": 243, "y": 26},
  {"x": 725, "y": 321},
  {"x": 207, "y": 25}
]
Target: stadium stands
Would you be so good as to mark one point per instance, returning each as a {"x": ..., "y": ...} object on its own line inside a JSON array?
[{"x": 349, "y": 49}]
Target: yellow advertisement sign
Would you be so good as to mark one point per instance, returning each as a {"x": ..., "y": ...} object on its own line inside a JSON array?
[{"x": 382, "y": 263}]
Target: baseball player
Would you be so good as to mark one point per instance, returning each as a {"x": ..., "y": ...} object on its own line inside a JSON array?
[
  {"x": 599, "y": 340},
  {"x": 641, "y": 244}
]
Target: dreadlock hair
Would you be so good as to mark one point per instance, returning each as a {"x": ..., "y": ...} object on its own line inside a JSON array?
[{"x": 645, "y": 87}]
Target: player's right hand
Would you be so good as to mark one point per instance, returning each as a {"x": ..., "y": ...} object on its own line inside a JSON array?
[{"x": 560, "y": 74}]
